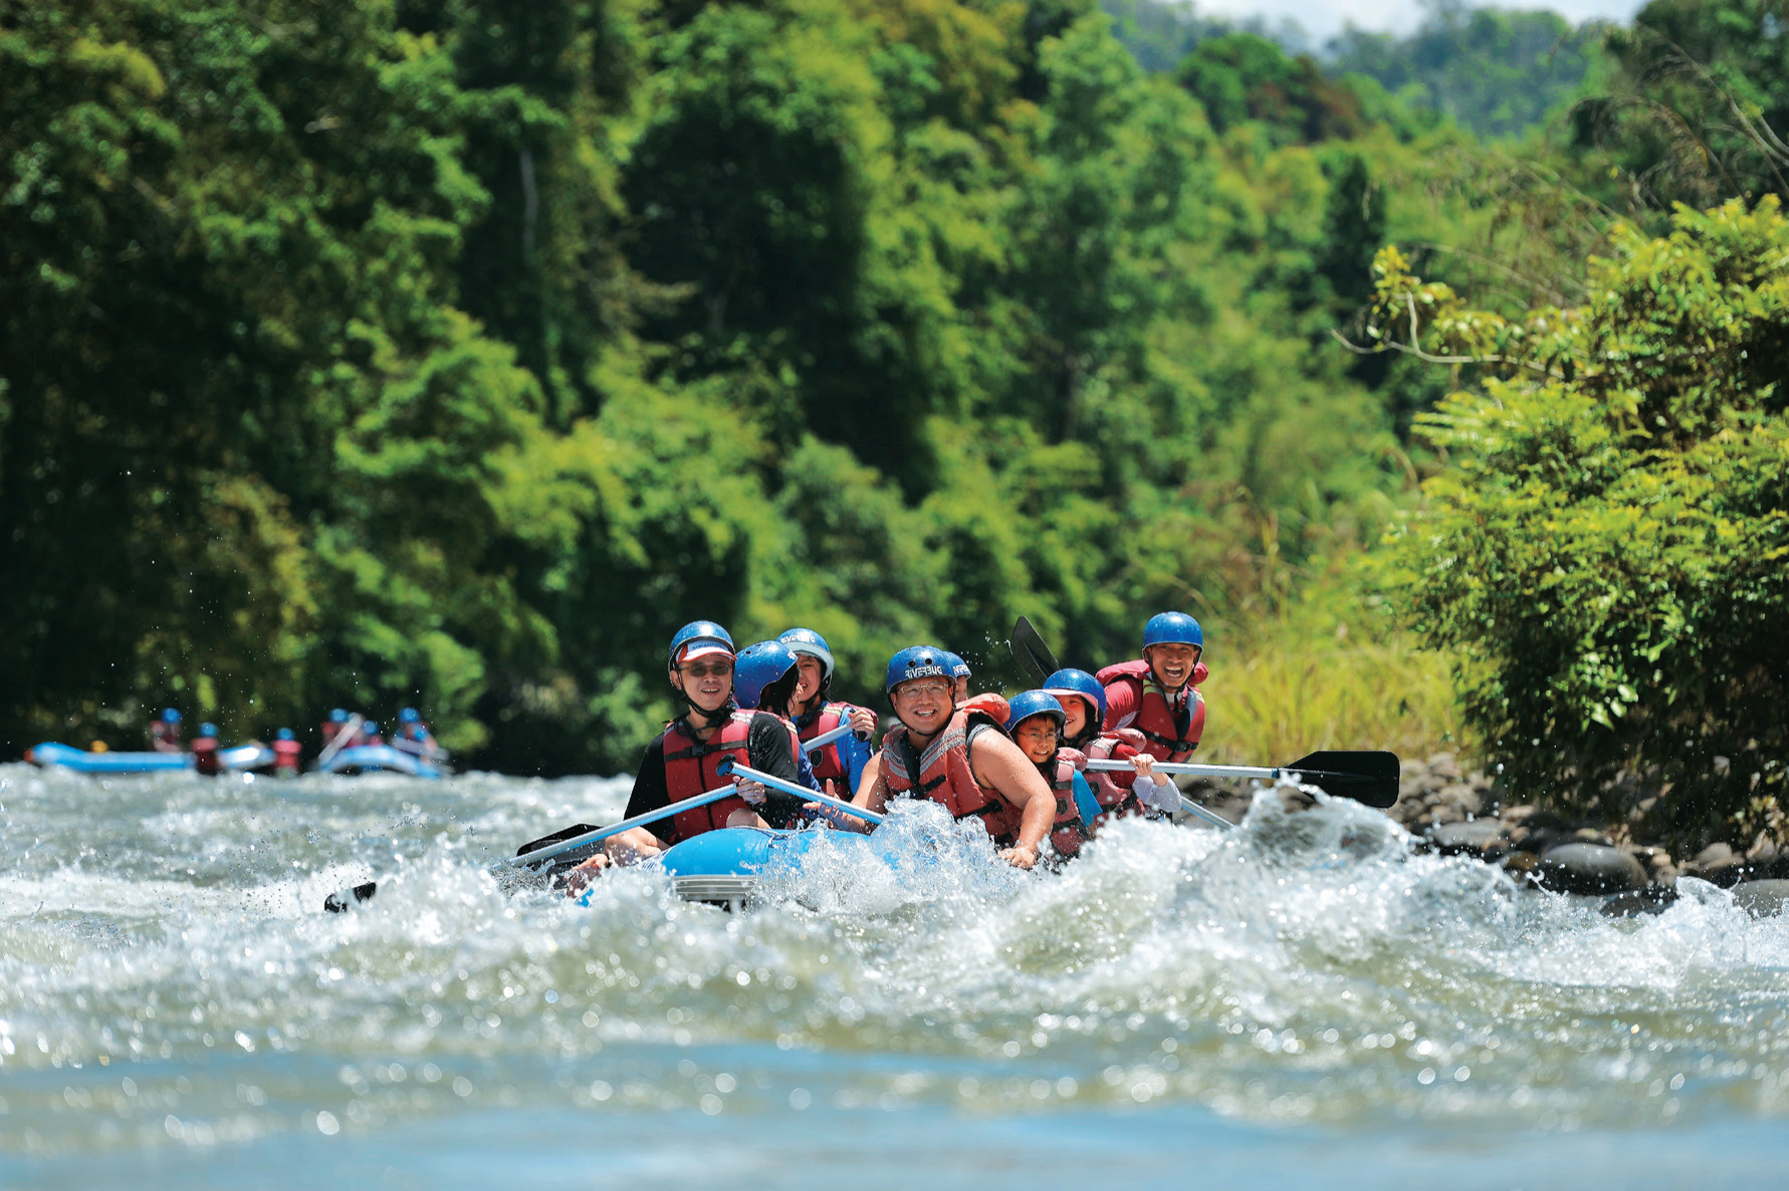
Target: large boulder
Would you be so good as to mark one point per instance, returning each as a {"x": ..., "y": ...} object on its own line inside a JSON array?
[
  {"x": 1762, "y": 899},
  {"x": 1590, "y": 868},
  {"x": 1467, "y": 839}
]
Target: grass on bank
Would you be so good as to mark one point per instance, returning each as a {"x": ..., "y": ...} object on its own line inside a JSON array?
[{"x": 1294, "y": 689}]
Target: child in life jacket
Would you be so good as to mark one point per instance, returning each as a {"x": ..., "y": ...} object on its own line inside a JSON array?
[
  {"x": 1157, "y": 695},
  {"x": 683, "y": 761},
  {"x": 814, "y": 714},
  {"x": 1084, "y": 709},
  {"x": 1035, "y": 723},
  {"x": 957, "y": 757}
]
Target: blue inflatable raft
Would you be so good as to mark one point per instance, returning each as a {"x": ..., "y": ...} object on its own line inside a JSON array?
[
  {"x": 240, "y": 759},
  {"x": 378, "y": 758},
  {"x": 724, "y": 866}
]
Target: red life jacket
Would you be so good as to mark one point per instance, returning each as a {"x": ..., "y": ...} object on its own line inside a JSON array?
[
  {"x": 690, "y": 770},
  {"x": 945, "y": 775},
  {"x": 1113, "y": 790},
  {"x": 1154, "y": 718},
  {"x": 165, "y": 737},
  {"x": 989, "y": 703},
  {"x": 285, "y": 755},
  {"x": 826, "y": 762},
  {"x": 1067, "y": 833},
  {"x": 205, "y": 758}
]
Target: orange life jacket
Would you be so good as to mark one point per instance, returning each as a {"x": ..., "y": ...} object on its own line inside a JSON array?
[
  {"x": 1068, "y": 832},
  {"x": 1154, "y": 717},
  {"x": 945, "y": 775},
  {"x": 690, "y": 770},
  {"x": 1113, "y": 790}
]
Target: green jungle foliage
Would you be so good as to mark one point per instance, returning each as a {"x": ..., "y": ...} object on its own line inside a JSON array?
[
  {"x": 1608, "y": 556},
  {"x": 454, "y": 352}
]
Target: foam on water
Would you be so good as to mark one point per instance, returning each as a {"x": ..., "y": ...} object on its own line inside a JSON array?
[{"x": 167, "y": 978}]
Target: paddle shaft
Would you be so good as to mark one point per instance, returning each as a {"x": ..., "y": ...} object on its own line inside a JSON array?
[
  {"x": 731, "y": 768},
  {"x": 1179, "y": 767},
  {"x": 348, "y": 731},
  {"x": 826, "y": 738},
  {"x": 527, "y": 859}
]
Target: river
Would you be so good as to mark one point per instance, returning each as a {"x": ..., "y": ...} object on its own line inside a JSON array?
[{"x": 1303, "y": 1002}]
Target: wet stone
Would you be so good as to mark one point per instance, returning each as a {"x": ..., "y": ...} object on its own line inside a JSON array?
[
  {"x": 1652, "y": 900},
  {"x": 1470, "y": 839},
  {"x": 1590, "y": 868},
  {"x": 1762, "y": 899}
]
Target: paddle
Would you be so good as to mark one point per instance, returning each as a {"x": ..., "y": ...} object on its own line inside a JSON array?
[
  {"x": 728, "y": 767},
  {"x": 528, "y": 857},
  {"x": 349, "y": 730},
  {"x": 1368, "y": 777},
  {"x": 1033, "y": 655}
]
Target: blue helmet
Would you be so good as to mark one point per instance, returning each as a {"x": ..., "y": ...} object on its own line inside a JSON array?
[
  {"x": 704, "y": 636},
  {"x": 958, "y": 667},
  {"x": 370, "y": 728},
  {"x": 916, "y": 661},
  {"x": 170, "y": 716},
  {"x": 1173, "y": 628},
  {"x": 408, "y": 716},
  {"x": 1034, "y": 703},
  {"x": 338, "y": 716},
  {"x": 758, "y": 666},
  {"x": 285, "y": 734},
  {"x": 811, "y": 643},
  {"x": 1067, "y": 684},
  {"x": 207, "y": 729}
]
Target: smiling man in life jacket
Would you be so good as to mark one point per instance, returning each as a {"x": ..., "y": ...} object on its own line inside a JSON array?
[
  {"x": 1084, "y": 710},
  {"x": 1157, "y": 695},
  {"x": 681, "y": 763},
  {"x": 1035, "y": 722},
  {"x": 813, "y": 713},
  {"x": 957, "y": 757}
]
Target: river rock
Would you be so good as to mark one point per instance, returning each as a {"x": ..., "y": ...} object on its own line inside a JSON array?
[
  {"x": 1470, "y": 839},
  {"x": 1590, "y": 868},
  {"x": 1762, "y": 899},
  {"x": 1651, "y": 900}
]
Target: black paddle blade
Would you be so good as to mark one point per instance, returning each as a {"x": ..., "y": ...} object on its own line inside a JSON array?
[
  {"x": 543, "y": 841},
  {"x": 337, "y": 902},
  {"x": 1367, "y": 777},
  {"x": 1032, "y": 654}
]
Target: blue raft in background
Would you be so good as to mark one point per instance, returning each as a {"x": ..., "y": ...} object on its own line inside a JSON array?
[
  {"x": 377, "y": 758},
  {"x": 240, "y": 759}
]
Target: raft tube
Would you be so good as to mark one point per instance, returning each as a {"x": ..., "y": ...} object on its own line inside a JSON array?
[
  {"x": 723, "y": 867},
  {"x": 240, "y": 759},
  {"x": 378, "y": 758},
  {"x": 66, "y": 756}
]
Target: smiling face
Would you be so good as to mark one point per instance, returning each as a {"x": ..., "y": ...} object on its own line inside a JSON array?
[
  {"x": 812, "y": 674},
  {"x": 1037, "y": 738},
  {"x": 923, "y": 704},
  {"x": 706, "y": 682},
  {"x": 1075, "y": 707},
  {"x": 1172, "y": 665}
]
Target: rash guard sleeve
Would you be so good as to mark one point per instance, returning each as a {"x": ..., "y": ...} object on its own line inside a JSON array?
[
  {"x": 768, "y": 746},
  {"x": 650, "y": 792}
]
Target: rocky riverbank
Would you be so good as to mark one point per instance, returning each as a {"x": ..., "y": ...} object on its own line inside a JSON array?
[{"x": 1462, "y": 813}]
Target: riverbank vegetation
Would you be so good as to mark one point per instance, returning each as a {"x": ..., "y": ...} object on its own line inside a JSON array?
[{"x": 453, "y": 352}]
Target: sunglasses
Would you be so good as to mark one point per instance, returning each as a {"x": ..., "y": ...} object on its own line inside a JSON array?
[{"x": 701, "y": 670}]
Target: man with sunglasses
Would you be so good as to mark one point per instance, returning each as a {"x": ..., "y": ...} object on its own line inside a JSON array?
[
  {"x": 958, "y": 757},
  {"x": 682, "y": 762}
]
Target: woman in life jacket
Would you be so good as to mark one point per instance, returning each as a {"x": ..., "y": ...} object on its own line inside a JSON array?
[
  {"x": 814, "y": 713},
  {"x": 1084, "y": 709},
  {"x": 1157, "y": 694},
  {"x": 164, "y": 733},
  {"x": 1035, "y": 724},
  {"x": 765, "y": 678},
  {"x": 681, "y": 763},
  {"x": 957, "y": 757}
]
